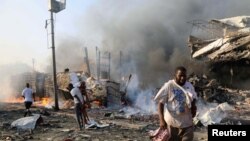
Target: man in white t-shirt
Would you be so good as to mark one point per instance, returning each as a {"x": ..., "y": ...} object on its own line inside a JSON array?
[
  {"x": 174, "y": 106},
  {"x": 78, "y": 100},
  {"x": 28, "y": 96}
]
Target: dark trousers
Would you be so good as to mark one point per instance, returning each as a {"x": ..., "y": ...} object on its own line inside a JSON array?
[
  {"x": 182, "y": 134},
  {"x": 27, "y": 106},
  {"x": 79, "y": 118}
]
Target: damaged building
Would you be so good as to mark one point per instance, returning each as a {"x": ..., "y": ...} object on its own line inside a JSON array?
[
  {"x": 224, "y": 44},
  {"x": 102, "y": 92}
]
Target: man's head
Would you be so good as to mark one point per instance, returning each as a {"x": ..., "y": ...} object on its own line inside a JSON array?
[
  {"x": 66, "y": 70},
  {"x": 180, "y": 75},
  {"x": 27, "y": 85},
  {"x": 83, "y": 85},
  {"x": 70, "y": 87}
]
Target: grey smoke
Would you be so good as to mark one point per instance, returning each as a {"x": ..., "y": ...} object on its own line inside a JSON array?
[
  {"x": 8, "y": 79},
  {"x": 152, "y": 34},
  {"x": 69, "y": 54}
]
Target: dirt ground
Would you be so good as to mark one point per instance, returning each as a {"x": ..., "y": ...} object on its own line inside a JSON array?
[{"x": 61, "y": 126}]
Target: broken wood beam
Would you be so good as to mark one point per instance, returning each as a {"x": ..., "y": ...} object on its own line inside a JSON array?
[
  {"x": 230, "y": 47},
  {"x": 210, "y": 47}
]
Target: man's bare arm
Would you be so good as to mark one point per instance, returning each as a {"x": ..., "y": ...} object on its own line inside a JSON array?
[{"x": 163, "y": 124}]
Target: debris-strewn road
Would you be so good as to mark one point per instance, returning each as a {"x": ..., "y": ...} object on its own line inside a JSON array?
[{"x": 61, "y": 126}]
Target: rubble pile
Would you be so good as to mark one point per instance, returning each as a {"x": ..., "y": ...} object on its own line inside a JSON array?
[
  {"x": 145, "y": 118},
  {"x": 63, "y": 80},
  {"x": 100, "y": 92},
  {"x": 61, "y": 125},
  {"x": 211, "y": 91},
  {"x": 230, "y": 40},
  {"x": 97, "y": 92},
  {"x": 134, "y": 114}
]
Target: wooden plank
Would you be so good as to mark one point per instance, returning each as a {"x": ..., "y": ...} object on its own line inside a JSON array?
[
  {"x": 229, "y": 47},
  {"x": 210, "y": 47}
]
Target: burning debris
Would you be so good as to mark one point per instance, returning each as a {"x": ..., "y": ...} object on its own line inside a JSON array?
[{"x": 99, "y": 92}]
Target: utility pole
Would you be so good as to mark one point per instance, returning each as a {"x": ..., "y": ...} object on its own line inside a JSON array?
[
  {"x": 54, "y": 61},
  {"x": 99, "y": 65},
  {"x": 96, "y": 49},
  {"x": 109, "y": 65},
  {"x": 55, "y": 7},
  {"x": 120, "y": 65},
  {"x": 87, "y": 60}
]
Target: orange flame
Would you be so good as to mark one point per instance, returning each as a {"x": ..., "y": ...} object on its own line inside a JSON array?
[
  {"x": 97, "y": 102},
  {"x": 41, "y": 101},
  {"x": 13, "y": 100},
  {"x": 45, "y": 101}
]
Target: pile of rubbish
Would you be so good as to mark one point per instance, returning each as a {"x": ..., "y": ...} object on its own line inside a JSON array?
[
  {"x": 98, "y": 91},
  {"x": 95, "y": 90},
  {"x": 211, "y": 91},
  {"x": 101, "y": 92},
  {"x": 216, "y": 103}
]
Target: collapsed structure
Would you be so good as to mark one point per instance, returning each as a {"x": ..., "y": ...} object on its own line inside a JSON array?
[
  {"x": 102, "y": 92},
  {"x": 229, "y": 40},
  {"x": 224, "y": 44}
]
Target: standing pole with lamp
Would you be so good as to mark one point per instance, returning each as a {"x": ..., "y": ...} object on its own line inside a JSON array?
[{"x": 55, "y": 7}]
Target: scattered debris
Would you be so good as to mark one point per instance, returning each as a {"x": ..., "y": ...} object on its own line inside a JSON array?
[
  {"x": 93, "y": 124},
  {"x": 126, "y": 124},
  {"x": 211, "y": 113},
  {"x": 211, "y": 91},
  {"x": 85, "y": 136},
  {"x": 235, "y": 121},
  {"x": 44, "y": 112},
  {"x": 27, "y": 123},
  {"x": 247, "y": 100}
]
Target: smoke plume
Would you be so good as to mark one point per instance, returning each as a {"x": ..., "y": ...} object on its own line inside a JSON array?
[
  {"x": 69, "y": 54},
  {"x": 8, "y": 79},
  {"x": 152, "y": 35}
]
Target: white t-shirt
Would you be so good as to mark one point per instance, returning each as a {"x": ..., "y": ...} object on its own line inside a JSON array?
[
  {"x": 73, "y": 78},
  {"x": 176, "y": 110},
  {"x": 76, "y": 92},
  {"x": 28, "y": 95}
]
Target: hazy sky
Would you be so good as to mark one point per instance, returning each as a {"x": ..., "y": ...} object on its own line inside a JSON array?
[
  {"x": 22, "y": 29},
  {"x": 130, "y": 24},
  {"x": 152, "y": 34}
]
